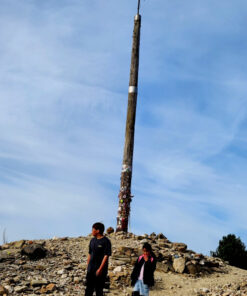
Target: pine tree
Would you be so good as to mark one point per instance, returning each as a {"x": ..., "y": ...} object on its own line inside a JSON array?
[{"x": 232, "y": 249}]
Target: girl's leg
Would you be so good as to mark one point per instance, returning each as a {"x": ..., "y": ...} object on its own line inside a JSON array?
[
  {"x": 144, "y": 289},
  {"x": 136, "y": 290}
]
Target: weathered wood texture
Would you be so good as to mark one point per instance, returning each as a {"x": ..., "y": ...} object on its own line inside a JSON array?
[{"x": 126, "y": 175}]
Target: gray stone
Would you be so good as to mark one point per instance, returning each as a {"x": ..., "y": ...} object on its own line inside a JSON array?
[
  {"x": 181, "y": 247},
  {"x": 179, "y": 264},
  {"x": 61, "y": 271},
  {"x": 118, "y": 269},
  {"x": 17, "y": 279},
  {"x": 36, "y": 283},
  {"x": 34, "y": 251},
  {"x": 8, "y": 255},
  {"x": 161, "y": 236},
  {"x": 163, "y": 244},
  {"x": 167, "y": 266},
  {"x": 18, "y": 244},
  {"x": 65, "y": 267},
  {"x": 110, "y": 230},
  {"x": 143, "y": 241},
  {"x": 19, "y": 289},
  {"x": 9, "y": 289},
  {"x": 76, "y": 280},
  {"x": 192, "y": 268},
  {"x": 3, "y": 290}
]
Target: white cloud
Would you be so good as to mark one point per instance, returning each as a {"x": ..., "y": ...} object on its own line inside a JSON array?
[{"x": 63, "y": 94}]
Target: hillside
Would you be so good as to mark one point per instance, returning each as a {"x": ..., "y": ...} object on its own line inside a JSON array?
[{"x": 62, "y": 269}]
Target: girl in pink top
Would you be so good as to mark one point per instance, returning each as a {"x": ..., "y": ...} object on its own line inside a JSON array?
[{"x": 142, "y": 276}]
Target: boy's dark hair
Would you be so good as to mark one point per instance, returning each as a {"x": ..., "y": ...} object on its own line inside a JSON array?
[
  {"x": 147, "y": 246},
  {"x": 99, "y": 226}
]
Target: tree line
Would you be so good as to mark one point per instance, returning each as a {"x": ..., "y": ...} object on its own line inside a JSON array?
[{"x": 233, "y": 250}]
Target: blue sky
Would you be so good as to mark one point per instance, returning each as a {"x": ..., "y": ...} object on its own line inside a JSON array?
[{"x": 63, "y": 92}]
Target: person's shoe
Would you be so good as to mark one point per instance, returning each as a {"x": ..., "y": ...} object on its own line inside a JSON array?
[{"x": 135, "y": 293}]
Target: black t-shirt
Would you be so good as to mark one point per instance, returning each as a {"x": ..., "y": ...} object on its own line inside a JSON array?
[{"x": 98, "y": 248}]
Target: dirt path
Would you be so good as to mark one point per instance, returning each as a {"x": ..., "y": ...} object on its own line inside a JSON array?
[
  {"x": 184, "y": 285},
  {"x": 231, "y": 283}
]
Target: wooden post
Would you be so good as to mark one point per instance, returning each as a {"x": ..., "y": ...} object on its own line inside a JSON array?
[{"x": 126, "y": 174}]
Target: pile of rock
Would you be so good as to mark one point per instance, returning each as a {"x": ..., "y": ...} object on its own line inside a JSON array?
[
  {"x": 171, "y": 257},
  {"x": 58, "y": 266},
  {"x": 54, "y": 266}
]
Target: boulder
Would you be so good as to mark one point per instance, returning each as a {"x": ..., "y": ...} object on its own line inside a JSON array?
[
  {"x": 5, "y": 246},
  {"x": 181, "y": 247},
  {"x": 76, "y": 280},
  {"x": 165, "y": 266},
  {"x": 109, "y": 230},
  {"x": 48, "y": 289},
  {"x": 143, "y": 241},
  {"x": 18, "y": 244},
  {"x": 8, "y": 255},
  {"x": 19, "y": 289},
  {"x": 192, "y": 268},
  {"x": 197, "y": 256},
  {"x": 211, "y": 263},
  {"x": 36, "y": 283},
  {"x": 169, "y": 266},
  {"x": 3, "y": 290},
  {"x": 127, "y": 251},
  {"x": 161, "y": 236},
  {"x": 118, "y": 269},
  {"x": 163, "y": 244},
  {"x": 34, "y": 251},
  {"x": 179, "y": 264}
]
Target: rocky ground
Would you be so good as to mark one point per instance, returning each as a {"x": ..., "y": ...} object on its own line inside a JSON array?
[{"x": 58, "y": 267}]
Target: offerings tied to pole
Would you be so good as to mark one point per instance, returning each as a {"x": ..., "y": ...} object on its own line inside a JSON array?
[{"x": 124, "y": 195}]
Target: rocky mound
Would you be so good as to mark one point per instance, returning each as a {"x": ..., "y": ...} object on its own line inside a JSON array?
[{"x": 58, "y": 266}]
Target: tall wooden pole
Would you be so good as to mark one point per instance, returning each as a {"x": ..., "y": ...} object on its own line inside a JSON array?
[{"x": 126, "y": 174}]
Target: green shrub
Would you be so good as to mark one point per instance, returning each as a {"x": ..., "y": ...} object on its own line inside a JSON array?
[{"x": 232, "y": 249}]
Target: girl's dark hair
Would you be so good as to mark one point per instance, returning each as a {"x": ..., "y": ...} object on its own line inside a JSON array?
[
  {"x": 147, "y": 246},
  {"x": 99, "y": 226}
]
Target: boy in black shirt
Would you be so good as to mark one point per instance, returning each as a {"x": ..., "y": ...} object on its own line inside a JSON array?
[{"x": 97, "y": 261}]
